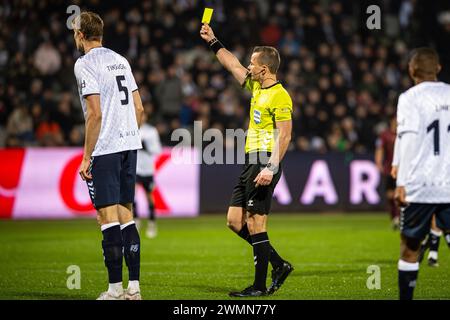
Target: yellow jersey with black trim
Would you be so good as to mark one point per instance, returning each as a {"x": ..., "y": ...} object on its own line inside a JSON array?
[{"x": 268, "y": 105}]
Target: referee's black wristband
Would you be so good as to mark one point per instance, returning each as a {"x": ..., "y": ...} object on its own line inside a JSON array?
[{"x": 215, "y": 45}]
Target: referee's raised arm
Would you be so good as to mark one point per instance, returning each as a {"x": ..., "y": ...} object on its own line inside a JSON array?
[{"x": 225, "y": 57}]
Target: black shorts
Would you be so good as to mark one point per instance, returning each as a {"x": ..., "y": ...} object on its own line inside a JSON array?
[
  {"x": 415, "y": 219},
  {"x": 113, "y": 178},
  {"x": 146, "y": 182},
  {"x": 246, "y": 195}
]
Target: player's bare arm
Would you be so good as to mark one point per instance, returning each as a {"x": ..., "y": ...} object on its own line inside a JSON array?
[
  {"x": 138, "y": 108},
  {"x": 93, "y": 125},
  {"x": 406, "y": 146},
  {"x": 225, "y": 57},
  {"x": 394, "y": 172},
  {"x": 396, "y": 159},
  {"x": 379, "y": 155},
  {"x": 281, "y": 145},
  {"x": 400, "y": 196}
]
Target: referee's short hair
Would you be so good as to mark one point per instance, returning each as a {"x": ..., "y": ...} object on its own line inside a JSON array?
[
  {"x": 90, "y": 24},
  {"x": 268, "y": 56},
  {"x": 425, "y": 62}
]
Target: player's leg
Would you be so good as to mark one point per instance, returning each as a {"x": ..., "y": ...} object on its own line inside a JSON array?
[
  {"x": 236, "y": 221},
  {"x": 442, "y": 219},
  {"x": 393, "y": 208},
  {"x": 434, "y": 236},
  {"x": 131, "y": 250},
  {"x": 137, "y": 221},
  {"x": 151, "y": 201},
  {"x": 104, "y": 189},
  {"x": 130, "y": 235},
  {"x": 257, "y": 203},
  {"x": 408, "y": 267},
  {"x": 108, "y": 219},
  {"x": 257, "y": 226},
  {"x": 447, "y": 236},
  {"x": 151, "y": 226},
  {"x": 415, "y": 224}
]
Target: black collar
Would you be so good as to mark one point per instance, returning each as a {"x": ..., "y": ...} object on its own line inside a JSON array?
[{"x": 278, "y": 82}]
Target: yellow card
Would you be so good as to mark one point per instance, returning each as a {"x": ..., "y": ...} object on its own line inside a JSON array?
[{"x": 207, "y": 14}]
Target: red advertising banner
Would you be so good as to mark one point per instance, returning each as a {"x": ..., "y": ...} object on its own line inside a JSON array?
[{"x": 44, "y": 183}]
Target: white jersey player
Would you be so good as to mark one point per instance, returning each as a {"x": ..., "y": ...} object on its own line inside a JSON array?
[
  {"x": 145, "y": 170},
  {"x": 423, "y": 181},
  {"x": 103, "y": 70},
  {"x": 112, "y": 109}
]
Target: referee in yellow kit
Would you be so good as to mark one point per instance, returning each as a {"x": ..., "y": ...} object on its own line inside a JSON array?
[{"x": 268, "y": 137}]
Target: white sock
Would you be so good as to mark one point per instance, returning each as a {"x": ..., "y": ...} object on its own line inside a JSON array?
[
  {"x": 133, "y": 285},
  {"x": 115, "y": 288},
  {"x": 436, "y": 233},
  {"x": 433, "y": 255},
  {"x": 407, "y": 266}
]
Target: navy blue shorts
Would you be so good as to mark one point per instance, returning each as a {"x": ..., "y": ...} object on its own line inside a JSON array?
[
  {"x": 146, "y": 181},
  {"x": 113, "y": 178},
  {"x": 415, "y": 219}
]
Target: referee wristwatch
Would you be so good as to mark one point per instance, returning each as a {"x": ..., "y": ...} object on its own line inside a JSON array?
[{"x": 271, "y": 167}]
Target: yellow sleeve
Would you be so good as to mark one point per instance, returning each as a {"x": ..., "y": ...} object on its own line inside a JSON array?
[
  {"x": 282, "y": 107},
  {"x": 249, "y": 84}
]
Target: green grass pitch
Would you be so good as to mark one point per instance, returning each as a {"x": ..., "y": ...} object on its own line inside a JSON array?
[{"x": 201, "y": 259}]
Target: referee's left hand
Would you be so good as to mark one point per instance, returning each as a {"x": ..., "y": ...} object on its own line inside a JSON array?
[{"x": 264, "y": 178}]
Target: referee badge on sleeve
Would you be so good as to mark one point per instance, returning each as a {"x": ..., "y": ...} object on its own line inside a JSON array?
[{"x": 257, "y": 116}]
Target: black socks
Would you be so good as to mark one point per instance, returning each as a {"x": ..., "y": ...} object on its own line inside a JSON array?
[
  {"x": 407, "y": 278},
  {"x": 112, "y": 251},
  {"x": 151, "y": 211},
  {"x": 275, "y": 259},
  {"x": 131, "y": 249},
  {"x": 434, "y": 240},
  {"x": 261, "y": 253}
]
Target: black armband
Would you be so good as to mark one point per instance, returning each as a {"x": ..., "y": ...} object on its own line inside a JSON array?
[{"x": 215, "y": 45}]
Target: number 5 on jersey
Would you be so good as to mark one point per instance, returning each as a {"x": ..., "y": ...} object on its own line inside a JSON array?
[{"x": 122, "y": 88}]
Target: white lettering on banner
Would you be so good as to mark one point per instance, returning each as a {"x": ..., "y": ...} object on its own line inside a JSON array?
[
  {"x": 319, "y": 184},
  {"x": 281, "y": 192},
  {"x": 364, "y": 180}
]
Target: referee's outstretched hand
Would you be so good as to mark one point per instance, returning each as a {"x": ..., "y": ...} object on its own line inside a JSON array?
[{"x": 206, "y": 32}]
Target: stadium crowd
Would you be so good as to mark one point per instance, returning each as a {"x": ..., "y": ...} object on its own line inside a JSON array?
[{"x": 344, "y": 78}]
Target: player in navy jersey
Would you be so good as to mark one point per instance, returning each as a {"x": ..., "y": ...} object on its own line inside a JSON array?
[{"x": 112, "y": 109}]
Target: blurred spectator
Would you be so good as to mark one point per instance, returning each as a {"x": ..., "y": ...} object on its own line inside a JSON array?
[
  {"x": 344, "y": 79},
  {"x": 49, "y": 133},
  {"x": 169, "y": 95},
  {"x": 20, "y": 125},
  {"x": 47, "y": 59}
]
